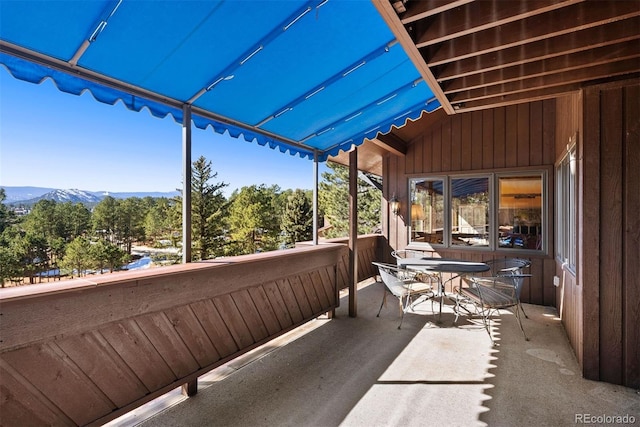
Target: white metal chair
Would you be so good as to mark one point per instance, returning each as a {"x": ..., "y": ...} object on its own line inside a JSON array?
[
  {"x": 407, "y": 253},
  {"x": 513, "y": 267},
  {"x": 404, "y": 285},
  {"x": 489, "y": 295}
]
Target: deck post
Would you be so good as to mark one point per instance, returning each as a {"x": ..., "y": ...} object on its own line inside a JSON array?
[
  {"x": 353, "y": 232},
  {"x": 186, "y": 183},
  {"x": 190, "y": 388},
  {"x": 315, "y": 197}
]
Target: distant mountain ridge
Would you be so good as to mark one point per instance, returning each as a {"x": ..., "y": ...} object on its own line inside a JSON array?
[
  {"x": 31, "y": 195},
  {"x": 72, "y": 195}
]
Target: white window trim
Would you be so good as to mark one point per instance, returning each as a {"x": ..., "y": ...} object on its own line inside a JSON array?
[{"x": 566, "y": 209}]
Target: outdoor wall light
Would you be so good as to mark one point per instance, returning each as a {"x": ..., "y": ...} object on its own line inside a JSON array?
[{"x": 394, "y": 205}]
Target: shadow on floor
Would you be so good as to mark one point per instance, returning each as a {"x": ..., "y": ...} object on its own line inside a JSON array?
[{"x": 363, "y": 371}]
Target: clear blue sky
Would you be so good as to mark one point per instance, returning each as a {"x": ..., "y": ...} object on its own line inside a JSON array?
[{"x": 53, "y": 139}]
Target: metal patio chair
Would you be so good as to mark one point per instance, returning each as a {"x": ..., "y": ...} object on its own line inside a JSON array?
[
  {"x": 489, "y": 295},
  {"x": 407, "y": 253},
  {"x": 405, "y": 285},
  {"x": 513, "y": 267}
]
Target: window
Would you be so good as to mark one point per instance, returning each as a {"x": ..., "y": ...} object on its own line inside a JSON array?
[
  {"x": 566, "y": 237},
  {"x": 502, "y": 211},
  {"x": 427, "y": 210},
  {"x": 520, "y": 212},
  {"x": 470, "y": 211}
]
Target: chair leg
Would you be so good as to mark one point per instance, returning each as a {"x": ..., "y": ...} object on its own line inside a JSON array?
[
  {"x": 403, "y": 308},
  {"x": 401, "y": 320},
  {"x": 526, "y": 338},
  {"x": 522, "y": 308},
  {"x": 486, "y": 320},
  {"x": 384, "y": 301},
  {"x": 456, "y": 309}
]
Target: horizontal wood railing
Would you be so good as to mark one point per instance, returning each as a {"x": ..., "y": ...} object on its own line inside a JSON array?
[{"x": 88, "y": 350}]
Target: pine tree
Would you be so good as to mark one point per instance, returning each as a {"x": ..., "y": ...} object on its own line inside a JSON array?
[
  {"x": 254, "y": 220},
  {"x": 333, "y": 197},
  {"x": 7, "y": 217},
  {"x": 208, "y": 211},
  {"x": 77, "y": 256},
  {"x": 297, "y": 218}
]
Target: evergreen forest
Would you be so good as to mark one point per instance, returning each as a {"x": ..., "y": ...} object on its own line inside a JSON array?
[{"x": 65, "y": 240}]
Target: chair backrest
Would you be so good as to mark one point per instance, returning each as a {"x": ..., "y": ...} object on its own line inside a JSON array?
[
  {"x": 393, "y": 278},
  {"x": 407, "y": 253},
  {"x": 510, "y": 267},
  {"x": 496, "y": 292}
]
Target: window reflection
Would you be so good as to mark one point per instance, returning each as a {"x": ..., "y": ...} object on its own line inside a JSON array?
[
  {"x": 427, "y": 211},
  {"x": 520, "y": 212},
  {"x": 470, "y": 211}
]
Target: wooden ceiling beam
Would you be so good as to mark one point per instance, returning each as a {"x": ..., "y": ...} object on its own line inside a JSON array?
[
  {"x": 478, "y": 16},
  {"x": 609, "y": 34},
  {"x": 518, "y": 98},
  {"x": 391, "y": 143},
  {"x": 558, "y": 64},
  {"x": 421, "y": 9},
  {"x": 558, "y": 22},
  {"x": 393, "y": 22},
  {"x": 607, "y": 70}
]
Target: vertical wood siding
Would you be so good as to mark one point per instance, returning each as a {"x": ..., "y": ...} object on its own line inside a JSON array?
[
  {"x": 369, "y": 250},
  {"x": 611, "y": 228},
  {"x": 81, "y": 353},
  {"x": 492, "y": 140},
  {"x": 569, "y": 294}
]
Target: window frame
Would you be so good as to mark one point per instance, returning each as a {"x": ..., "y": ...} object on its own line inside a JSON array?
[
  {"x": 446, "y": 220},
  {"x": 493, "y": 204},
  {"x": 449, "y": 208},
  {"x": 566, "y": 207}
]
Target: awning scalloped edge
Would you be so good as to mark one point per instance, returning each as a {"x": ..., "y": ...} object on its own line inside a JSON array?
[{"x": 67, "y": 83}]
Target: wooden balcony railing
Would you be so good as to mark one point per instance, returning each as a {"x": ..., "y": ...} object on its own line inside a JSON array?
[
  {"x": 369, "y": 250},
  {"x": 88, "y": 350}
]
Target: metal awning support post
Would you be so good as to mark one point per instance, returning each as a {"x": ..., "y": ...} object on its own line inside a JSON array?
[
  {"x": 353, "y": 232},
  {"x": 186, "y": 183},
  {"x": 315, "y": 197},
  {"x": 190, "y": 388}
]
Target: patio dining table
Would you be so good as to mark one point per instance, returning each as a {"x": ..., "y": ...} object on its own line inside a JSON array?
[{"x": 438, "y": 266}]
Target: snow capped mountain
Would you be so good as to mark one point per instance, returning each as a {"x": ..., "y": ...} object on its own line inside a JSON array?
[
  {"x": 72, "y": 195},
  {"x": 30, "y": 195}
]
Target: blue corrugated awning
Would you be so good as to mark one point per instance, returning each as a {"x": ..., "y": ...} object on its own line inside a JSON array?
[{"x": 299, "y": 76}]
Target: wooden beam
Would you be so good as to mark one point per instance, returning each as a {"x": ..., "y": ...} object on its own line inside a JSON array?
[
  {"x": 478, "y": 16},
  {"x": 540, "y": 27},
  {"x": 391, "y": 18},
  {"x": 526, "y": 84},
  {"x": 190, "y": 389},
  {"x": 518, "y": 98},
  {"x": 576, "y": 62},
  {"x": 587, "y": 39},
  {"x": 589, "y": 221},
  {"x": 418, "y": 10},
  {"x": 392, "y": 143}
]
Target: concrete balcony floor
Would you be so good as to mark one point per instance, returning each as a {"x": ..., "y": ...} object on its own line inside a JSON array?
[{"x": 363, "y": 371}]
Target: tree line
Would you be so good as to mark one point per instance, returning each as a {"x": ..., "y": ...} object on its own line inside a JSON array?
[{"x": 71, "y": 239}]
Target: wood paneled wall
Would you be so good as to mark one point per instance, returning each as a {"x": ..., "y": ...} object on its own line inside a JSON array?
[
  {"x": 506, "y": 138},
  {"x": 86, "y": 351},
  {"x": 569, "y": 294},
  {"x": 610, "y": 229}
]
